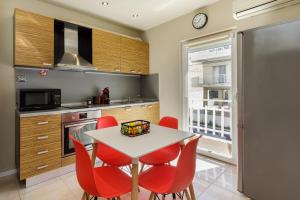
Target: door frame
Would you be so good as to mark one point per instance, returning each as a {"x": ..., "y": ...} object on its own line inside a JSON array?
[{"x": 184, "y": 69}]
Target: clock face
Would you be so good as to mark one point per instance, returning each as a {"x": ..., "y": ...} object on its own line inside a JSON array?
[{"x": 200, "y": 20}]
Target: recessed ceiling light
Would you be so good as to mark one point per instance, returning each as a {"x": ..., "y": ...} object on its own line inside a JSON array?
[
  {"x": 135, "y": 15},
  {"x": 104, "y": 3}
]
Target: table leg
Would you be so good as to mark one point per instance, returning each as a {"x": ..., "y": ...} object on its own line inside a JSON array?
[
  {"x": 192, "y": 192},
  {"x": 94, "y": 153},
  {"x": 134, "y": 181}
]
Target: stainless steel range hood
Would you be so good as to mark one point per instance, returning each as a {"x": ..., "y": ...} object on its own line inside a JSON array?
[{"x": 71, "y": 60}]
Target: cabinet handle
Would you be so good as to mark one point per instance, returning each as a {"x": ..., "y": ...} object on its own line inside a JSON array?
[
  {"x": 42, "y": 137},
  {"x": 149, "y": 106},
  {"x": 47, "y": 64},
  {"x": 132, "y": 71},
  {"x": 117, "y": 70},
  {"x": 42, "y": 152},
  {"x": 42, "y": 123},
  {"x": 139, "y": 72},
  {"x": 42, "y": 167},
  {"x": 128, "y": 108}
]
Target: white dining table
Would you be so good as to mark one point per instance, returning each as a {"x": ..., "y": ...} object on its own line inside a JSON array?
[{"x": 136, "y": 147}]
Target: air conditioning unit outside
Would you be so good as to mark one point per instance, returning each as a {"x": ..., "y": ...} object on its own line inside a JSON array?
[{"x": 248, "y": 8}]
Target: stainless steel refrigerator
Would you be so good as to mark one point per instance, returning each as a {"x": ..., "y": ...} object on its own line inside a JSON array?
[{"x": 269, "y": 112}]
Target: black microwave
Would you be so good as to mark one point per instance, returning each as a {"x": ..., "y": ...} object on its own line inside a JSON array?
[{"x": 39, "y": 99}]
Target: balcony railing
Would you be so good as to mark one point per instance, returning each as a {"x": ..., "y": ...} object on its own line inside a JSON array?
[{"x": 214, "y": 121}]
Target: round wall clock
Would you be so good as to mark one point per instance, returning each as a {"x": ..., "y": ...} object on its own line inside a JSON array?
[{"x": 200, "y": 20}]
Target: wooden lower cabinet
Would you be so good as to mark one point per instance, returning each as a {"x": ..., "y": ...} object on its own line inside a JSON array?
[
  {"x": 148, "y": 112},
  {"x": 40, "y": 145}
]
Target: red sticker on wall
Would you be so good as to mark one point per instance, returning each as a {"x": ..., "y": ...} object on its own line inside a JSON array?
[{"x": 43, "y": 72}]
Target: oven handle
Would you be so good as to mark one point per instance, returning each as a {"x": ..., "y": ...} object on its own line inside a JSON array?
[{"x": 80, "y": 124}]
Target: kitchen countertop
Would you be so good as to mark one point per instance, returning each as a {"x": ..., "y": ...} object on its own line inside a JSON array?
[{"x": 62, "y": 110}]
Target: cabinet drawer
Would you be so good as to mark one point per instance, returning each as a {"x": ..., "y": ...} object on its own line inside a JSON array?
[
  {"x": 40, "y": 125},
  {"x": 42, "y": 152},
  {"x": 41, "y": 121},
  {"x": 40, "y": 166},
  {"x": 41, "y": 138}
]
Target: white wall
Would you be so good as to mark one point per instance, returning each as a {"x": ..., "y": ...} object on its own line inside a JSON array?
[{"x": 165, "y": 45}]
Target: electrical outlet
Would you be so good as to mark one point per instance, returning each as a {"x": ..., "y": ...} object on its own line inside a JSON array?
[{"x": 21, "y": 78}]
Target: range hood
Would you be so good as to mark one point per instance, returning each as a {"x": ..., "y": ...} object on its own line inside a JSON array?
[{"x": 71, "y": 60}]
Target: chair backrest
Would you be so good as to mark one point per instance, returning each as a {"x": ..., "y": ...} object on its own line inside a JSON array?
[
  {"x": 84, "y": 169},
  {"x": 169, "y": 122},
  {"x": 186, "y": 166},
  {"x": 106, "y": 121}
]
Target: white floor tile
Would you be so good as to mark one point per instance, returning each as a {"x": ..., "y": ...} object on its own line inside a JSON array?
[{"x": 216, "y": 193}]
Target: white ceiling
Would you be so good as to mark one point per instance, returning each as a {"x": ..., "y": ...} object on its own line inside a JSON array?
[{"x": 151, "y": 12}]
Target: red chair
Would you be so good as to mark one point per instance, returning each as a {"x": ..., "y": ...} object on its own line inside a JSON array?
[
  {"x": 167, "y": 179},
  {"x": 164, "y": 155},
  {"x": 107, "y": 154},
  {"x": 107, "y": 182}
]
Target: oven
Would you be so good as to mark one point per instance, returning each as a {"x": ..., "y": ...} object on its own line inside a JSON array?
[{"x": 76, "y": 123}]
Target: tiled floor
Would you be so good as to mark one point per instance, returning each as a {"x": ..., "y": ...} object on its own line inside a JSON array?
[{"x": 213, "y": 181}]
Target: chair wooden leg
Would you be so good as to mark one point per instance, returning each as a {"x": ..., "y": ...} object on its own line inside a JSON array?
[
  {"x": 151, "y": 196},
  {"x": 192, "y": 192},
  {"x": 83, "y": 196},
  {"x": 142, "y": 167},
  {"x": 118, "y": 198},
  {"x": 187, "y": 194}
]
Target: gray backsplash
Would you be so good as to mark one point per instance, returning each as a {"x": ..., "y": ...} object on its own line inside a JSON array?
[
  {"x": 78, "y": 86},
  {"x": 150, "y": 86}
]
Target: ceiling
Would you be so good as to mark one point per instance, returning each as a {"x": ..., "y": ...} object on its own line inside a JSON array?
[{"x": 150, "y": 12}]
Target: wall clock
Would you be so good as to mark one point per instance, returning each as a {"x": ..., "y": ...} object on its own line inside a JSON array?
[{"x": 200, "y": 20}]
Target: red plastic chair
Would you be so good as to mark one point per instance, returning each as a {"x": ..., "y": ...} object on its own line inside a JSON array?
[
  {"x": 107, "y": 182},
  {"x": 167, "y": 179},
  {"x": 107, "y": 154},
  {"x": 167, "y": 154}
]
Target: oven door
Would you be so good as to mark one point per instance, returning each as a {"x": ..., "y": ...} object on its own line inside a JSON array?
[{"x": 77, "y": 129}]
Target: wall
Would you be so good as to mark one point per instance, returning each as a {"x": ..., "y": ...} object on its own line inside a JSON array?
[
  {"x": 165, "y": 45},
  {"x": 7, "y": 83},
  {"x": 79, "y": 86}
]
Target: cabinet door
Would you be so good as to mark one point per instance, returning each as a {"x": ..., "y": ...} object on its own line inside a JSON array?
[
  {"x": 134, "y": 56},
  {"x": 106, "y": 51},
  {"x": 143, "y": 58},
  {"x": 34, "y": 40},
  {"x": 129, "y": 55},
  {"x": 151, "y": 113}
]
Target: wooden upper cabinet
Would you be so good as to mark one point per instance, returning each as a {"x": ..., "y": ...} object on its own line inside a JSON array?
[
  {"x": 134, "y": 56},
  {"x": 106, "y": 51},
  {"x": 143, "y": 58},
  {"x": 34, "y": 40}
]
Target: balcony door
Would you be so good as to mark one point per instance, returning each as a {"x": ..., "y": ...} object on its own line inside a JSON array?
[{"x": 208, "y": 90}]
